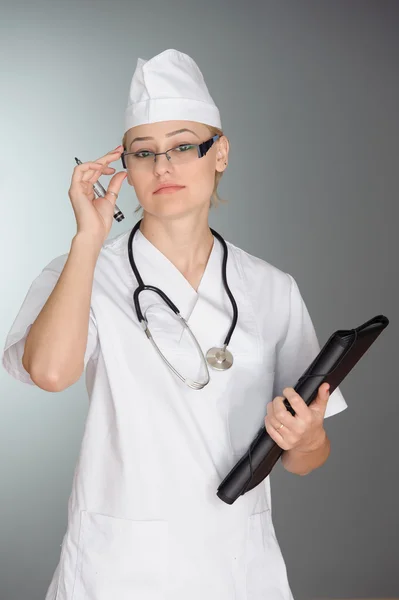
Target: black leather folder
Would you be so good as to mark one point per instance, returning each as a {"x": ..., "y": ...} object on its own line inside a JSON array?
[{"x": 333, "y": 363}]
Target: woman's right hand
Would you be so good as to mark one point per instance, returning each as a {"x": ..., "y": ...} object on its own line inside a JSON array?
[{"x": 94, "y": 215}]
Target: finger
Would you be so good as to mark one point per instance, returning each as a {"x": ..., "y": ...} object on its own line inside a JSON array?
[
  {"x": 98, "y": 172},
  {"x": 281, "y": 413},
  {"x": 115, "y": 185},
  {"x": 275, "y": 435},
  {"x": 297, "y": 403},
  {"x": 110, "y": 156},
  {"x": 291, "y": 425},
  {"x": 324, "y": 390},
  {"x": 284, "y": 435},
  {"x": 84, "y": 170},
  {"x": 103, "y": 160},
  {"x": 299, "y": 406},
  {"x": 273, "y": 419},
  {"x": 276, "y": 424}
]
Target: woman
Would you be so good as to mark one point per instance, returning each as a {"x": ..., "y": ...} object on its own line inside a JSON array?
[{"x": 144, "y": 520}]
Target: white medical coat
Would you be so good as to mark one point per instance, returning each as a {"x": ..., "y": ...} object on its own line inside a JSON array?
[{"x": 144, "y": 520}]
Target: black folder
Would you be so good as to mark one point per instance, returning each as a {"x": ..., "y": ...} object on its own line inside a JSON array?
[{"x": 335, "y": 360}]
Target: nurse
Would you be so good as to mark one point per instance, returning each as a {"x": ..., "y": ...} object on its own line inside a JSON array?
[{"x": 144, "y": 520}]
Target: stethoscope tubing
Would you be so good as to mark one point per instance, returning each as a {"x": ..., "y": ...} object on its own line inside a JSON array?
[{"x": 143, "y": 321}]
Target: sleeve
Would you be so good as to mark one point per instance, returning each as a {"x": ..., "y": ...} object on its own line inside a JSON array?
[
  {"x": 33, "y": 303},
  {"x": 298, "y": 349}
]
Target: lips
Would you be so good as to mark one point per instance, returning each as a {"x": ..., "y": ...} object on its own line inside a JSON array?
[{"x": 169, "y": 189}]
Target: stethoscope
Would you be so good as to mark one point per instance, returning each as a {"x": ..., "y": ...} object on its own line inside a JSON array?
[{"x": 220, "y": 359}]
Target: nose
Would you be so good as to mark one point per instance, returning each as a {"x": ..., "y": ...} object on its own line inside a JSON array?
[{"x": 162, "y": 164}]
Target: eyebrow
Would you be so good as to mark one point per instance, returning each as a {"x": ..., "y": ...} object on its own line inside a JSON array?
[{"x": 142, "y": 139}]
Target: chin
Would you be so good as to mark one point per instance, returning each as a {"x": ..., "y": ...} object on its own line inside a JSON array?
[{"x": 172, "y": 209}]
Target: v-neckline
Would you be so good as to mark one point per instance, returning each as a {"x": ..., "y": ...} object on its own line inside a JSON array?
[
  {"x": 158, "y": 271},
  {"x": 160, "y": 255}
]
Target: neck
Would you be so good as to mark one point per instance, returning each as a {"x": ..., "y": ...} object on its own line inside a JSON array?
[{"x": 186, "y": 242}]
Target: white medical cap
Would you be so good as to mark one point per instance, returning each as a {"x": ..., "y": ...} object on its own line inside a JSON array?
[{"x": 169, "y": 86}]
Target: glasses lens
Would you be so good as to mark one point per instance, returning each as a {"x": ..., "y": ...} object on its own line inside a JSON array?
[
  {"x": 175, "y": 342},
  {"x": 185, "y": 153}
]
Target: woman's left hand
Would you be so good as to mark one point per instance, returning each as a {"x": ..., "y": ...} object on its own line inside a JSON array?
[{"x": 305, "y": 431}]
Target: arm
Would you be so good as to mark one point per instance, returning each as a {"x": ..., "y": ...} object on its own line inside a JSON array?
[
  {"x": 55, "y": 346},
  {"x": 302, "y": 463}
]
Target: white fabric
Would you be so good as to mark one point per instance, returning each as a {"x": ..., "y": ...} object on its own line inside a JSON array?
[
  {"x": 169, "y": 86},
  {"x": 144, "y": 520}
]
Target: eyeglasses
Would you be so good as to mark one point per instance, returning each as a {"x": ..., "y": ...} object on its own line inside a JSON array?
[{"x": 181, "y": 154}]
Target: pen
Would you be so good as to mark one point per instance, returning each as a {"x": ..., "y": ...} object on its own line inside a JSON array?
[{"x": 100, "y": 192}]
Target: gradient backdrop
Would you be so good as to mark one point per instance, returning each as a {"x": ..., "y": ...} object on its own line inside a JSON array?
[{"x": 309, "y": 94}]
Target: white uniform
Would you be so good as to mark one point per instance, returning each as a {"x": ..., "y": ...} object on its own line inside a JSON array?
[{"x": 144, "y": 520}]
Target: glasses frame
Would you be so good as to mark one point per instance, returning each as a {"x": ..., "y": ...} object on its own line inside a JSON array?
[{"x": 202, "y": 149}]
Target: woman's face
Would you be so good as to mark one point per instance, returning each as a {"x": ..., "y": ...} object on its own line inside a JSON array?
[{"x": 197, "y": 176}]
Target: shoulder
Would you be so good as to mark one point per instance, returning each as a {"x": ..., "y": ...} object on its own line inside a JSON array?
[
  {"x": 260, "y": 276},
  {"x": 268, "y": 290},
  {"x": 274, "y": 295}
]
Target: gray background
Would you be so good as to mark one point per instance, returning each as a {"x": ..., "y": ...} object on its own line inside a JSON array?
[{"x": 309, "y": 96}]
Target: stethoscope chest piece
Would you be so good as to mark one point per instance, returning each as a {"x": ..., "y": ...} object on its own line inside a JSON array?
[{"x": 219, "y": 358}]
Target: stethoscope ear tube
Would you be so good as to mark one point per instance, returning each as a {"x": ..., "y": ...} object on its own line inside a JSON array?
[
  {"x": 226, "y": 287},
  {"x": 151, "y": 288}
]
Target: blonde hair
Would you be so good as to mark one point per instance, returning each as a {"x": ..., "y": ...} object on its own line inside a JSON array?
[{"x": 215, "y": 199}]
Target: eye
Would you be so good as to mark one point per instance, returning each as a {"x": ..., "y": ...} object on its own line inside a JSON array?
[
  {"x": 143, "y": 152},
  {"x": 184, "y": 147}
]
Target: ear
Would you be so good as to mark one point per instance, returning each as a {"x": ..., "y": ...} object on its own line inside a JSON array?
[{"x": 222, "y": 153}]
